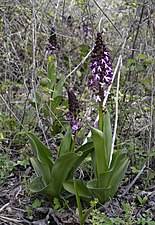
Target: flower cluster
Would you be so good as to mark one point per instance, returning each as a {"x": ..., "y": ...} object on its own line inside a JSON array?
[
  {"x": 101, "y": 68},
  {"x": 74, "y": 110},
  {"x": 52, "y": 47}
]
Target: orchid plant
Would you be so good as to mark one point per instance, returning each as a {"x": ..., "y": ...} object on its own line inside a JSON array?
[
  {"x": 109, "y": 167},
  {"x": 52, "y": 173}
]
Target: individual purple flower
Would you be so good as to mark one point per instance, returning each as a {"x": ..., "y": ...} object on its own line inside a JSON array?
[
  {"x": 101, "y": 68},
  {"x": 74, "y": 110},
  {"x": 52, "y": 47}
]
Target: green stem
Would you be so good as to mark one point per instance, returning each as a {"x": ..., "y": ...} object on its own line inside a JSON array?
[
  {"x": 100, "y": 117},
  {"x": 72, "y": 143},
  {"x": 78, "y": 203}
]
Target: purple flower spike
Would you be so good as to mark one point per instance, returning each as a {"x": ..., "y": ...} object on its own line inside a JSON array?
[
  {"x": 101, "y": 68},
  {"x": 74, "y": 110},
  {"x": 52, "y": 47}
]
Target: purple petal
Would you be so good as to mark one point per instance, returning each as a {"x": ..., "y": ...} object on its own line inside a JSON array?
[
  {"x": 69, "y": 118},
  {"x": 102, "y": 84},
  {"x": 99, "y": 69},
  {"x": 95, "y": 63},
  {"x": 102, "y": 61},
  {"x": 97, "y": 98},
  {"x": 107, "y": 79},
  {"x": 97, "y": 77},
  {"x": 94, "y": 70}
]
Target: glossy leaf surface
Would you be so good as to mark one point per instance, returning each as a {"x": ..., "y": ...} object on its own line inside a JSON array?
[
  {"x": 65, "y": 143},
  {"x": 40, "y": 150},
  {"x": 41, "y": 169},
  {"x": 83, "y": 191},
  {"x": 100, "y": 151},
  {"x": 107, "y": 135}
]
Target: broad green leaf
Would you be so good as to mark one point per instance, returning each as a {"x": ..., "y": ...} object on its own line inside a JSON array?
[
  {"x": 107, "y": 134},
  {"x": 104, "y": 179},
  {"x": 88, "y": 145},
  {"x": 61, "y": 168},
  {"x": 100, "y": 151},
  {"x": 103, "y": 194},
  {"x": 85, "y": 149},
  {"x": 41, "y": 169},
  {"x": 51, "y": 71},
  {"x": 118, "y": 156},
  {"x": 116, "y": 153},
  {"x": 58, "y": 88},
  {"x": 59, "y": 173},
  {"x": 42, "y": 153},
  {"x": 83, "y": 191},
  {"x": 55, "y": 104},
  {"x": 107, "y": 184},
  {"x": 65, "y": 143},
  {"x": 119, "y": 170},
  {"x": 48, "y": 191},
  {"x": 82, "y": 158},
  {"x": 36, "y": 185}
]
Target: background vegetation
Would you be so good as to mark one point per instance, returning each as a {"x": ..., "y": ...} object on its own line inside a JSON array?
[{"x": 25, "y": 99}]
